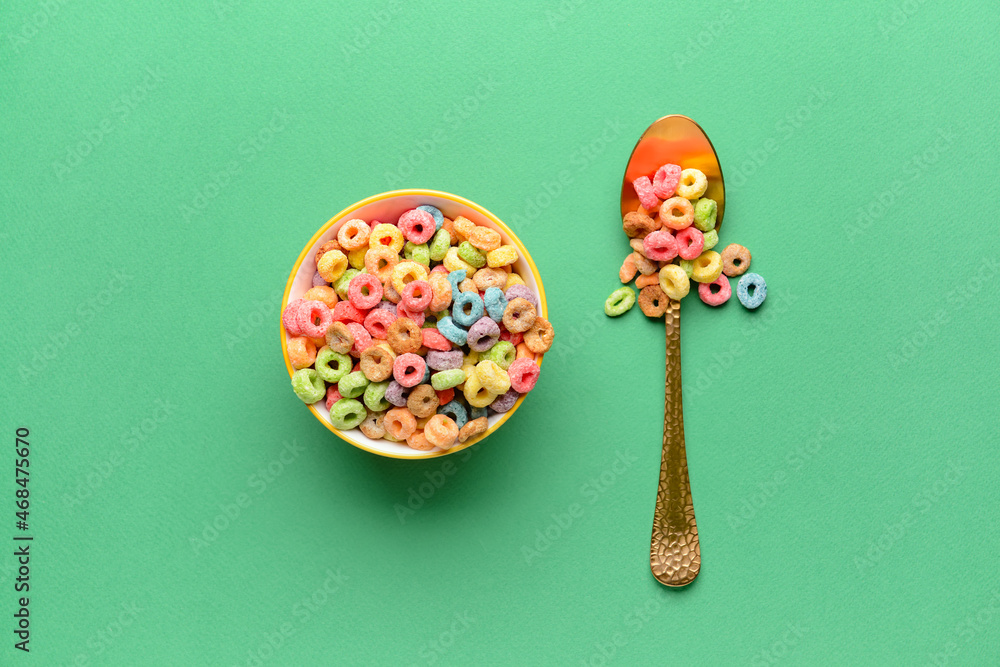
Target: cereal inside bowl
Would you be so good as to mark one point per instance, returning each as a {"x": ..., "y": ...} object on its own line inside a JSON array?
[{"x": 414, "y": 323}]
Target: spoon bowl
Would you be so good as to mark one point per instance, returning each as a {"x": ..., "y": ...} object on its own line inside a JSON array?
[{"x": 675, "y": 552}]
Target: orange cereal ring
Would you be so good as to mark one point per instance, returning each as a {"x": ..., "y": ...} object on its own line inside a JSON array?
[
  {"x": 323, "y": 293},
  {"x": 735, "y": 261},
  {"x": 400, "y": 423},
  {"x": 638, "y": 225},
  {"x": 677, "y": 213},
  {"x": 523, "y": 351},
  {"x": 325, "y": 248},
  {"x": 645, "y": 265},
  {"x": 441, "y": 431},
  {"x": 301, "y": 352},
  {"x": 389, "y": 293},
  {"x": 353, "y": 234},
  {"x": 380, "y": 260},
  {"x": 404, "y": 336},
  {"x": 473, "y": 428},
  {"x": 449, "y": 224},
  {"x": 485, "y": 239},
  {"x": 442, "y": 292},
  {"x": 406, "y": 272},
  {"x": 376, "y": 362},
  {"x": 423, "y": 401},
  {"x": 539, "y": 337},
  {"x": 652, "y": 300},
  {"x": 646, "y": 281},
  {"x": 628, "y": 270},
  {"x": 339, "y": 338},
  {"x": 519, "y": 315},
  {"x": 418, "y": 441},
  {"x": 486, "y": 278},
  {"x": 464, "y": 227}
]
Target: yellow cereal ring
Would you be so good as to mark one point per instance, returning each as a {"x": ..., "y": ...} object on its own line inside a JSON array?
[
  {"x": 332, "y": 265},
  {"x": 674, "y": 282},
  {"x": 380, "y": 260},
  {"x": 453, "y": 262},
  {"x": 706, "y": 268},
  {"x": 406, "y": 272},
  {"x": 692, "y": 184},
  {"x": 492, "y": 377},
  {"x": 513, "y": 279},
  {"x": 505, "y": 255},
  {"x": 356, "y": 258},
  {"x": 387, "y": 235},
  {"x": 476, "y": 394}
]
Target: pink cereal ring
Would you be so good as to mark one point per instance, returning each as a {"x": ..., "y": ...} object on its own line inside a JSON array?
[
  {"x": 332, "y": 396},
  {"x": 512, "y": 338},
  {"x": 362, "y": 339},
  {"x": 408, "y": 369},
  {"x": 289, "y": 317},
  {"x": 344, "y": 311},
  {"x": 690, "y": 242},
  {"x": 313, "y": 319},
  {"x": 417, "y": 226},
  {"x": 433, "y": 339},
  {"x": 417, "y": 316},
  {"x": 377, "y": 322},
  {"x": 644, "y": 189},
  {"x": 359, "y": 285},
  {"x": 660, "y": 246},
  {"x": 665, "y": 181},
  {"x": 417, "y": 295},
  {"x": 523, "y": 375},
  {"x": 440, "y": 268},
  {"x": 718, "y": 297}
]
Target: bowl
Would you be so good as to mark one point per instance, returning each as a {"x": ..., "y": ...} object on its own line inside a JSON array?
[{"x": 387, "y": 207}]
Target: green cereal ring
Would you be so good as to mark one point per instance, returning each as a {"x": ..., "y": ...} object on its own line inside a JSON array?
[
  {"x": 342, "y": 283},
  {"x": 352, "y": 385},
  {"x": 711, "y": 239},
  {"x": 418, "y": 253},
  {"x": 447, "y": 379},
  {"x": 471, "y": 255},
  {"x": 439, "y": 245},
  {"x": 347, "y": 414},
  {"x": 704, "y": 214},
  {"x": 341, "y": 364},
  {"x": 619, "y": 303},
  {"x": 688, "y": 264},
  {"x": 308, "y": 385},
  {"x": 375, "y": 396},
  {"x": 502, "y": 354}
]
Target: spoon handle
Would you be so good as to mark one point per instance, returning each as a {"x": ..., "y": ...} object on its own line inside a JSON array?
[{"x": 674, "y": 554}]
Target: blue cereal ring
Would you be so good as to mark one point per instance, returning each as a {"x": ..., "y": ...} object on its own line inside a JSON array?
[
  {"x": 455, "y": 277},
  {"x": 476, "y": 413},
  {"x": 435, "y": 213},
  {"x": 456, "y": 411},
  {"x": 452, "y": 331},
  {"x": 751, "y": 281},
  {"x": 495, "y": 303},
  {"x": 467, "y": 308}
]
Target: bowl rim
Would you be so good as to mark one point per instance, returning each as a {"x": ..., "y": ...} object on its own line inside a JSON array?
[{"x": 389, "y": 195}]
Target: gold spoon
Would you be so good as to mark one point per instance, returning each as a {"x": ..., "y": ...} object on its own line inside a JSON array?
[{"x": 674, "y": 554}]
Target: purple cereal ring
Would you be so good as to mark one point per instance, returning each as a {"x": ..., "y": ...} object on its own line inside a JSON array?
[
  {"x": 313, "y": 319},
  {"x": 318, "y": 280},
  {"x": 523, "y": 292},
  {"x": 444, "y": 361},
  {"x": 483, "y": 334},
  {"x": 504, "y": 402},
  {"x": 289, "y": 317},
  {"x": 397, "y": 394}
]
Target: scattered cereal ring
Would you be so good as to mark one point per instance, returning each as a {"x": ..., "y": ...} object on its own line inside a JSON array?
[
  {"x": 485, "y": 239},
  {"x": 677, "y": 213},
  {"x": 620, "y": 302},
  {"x": 417, "y": 226},
  {"x": 539, "y": 336},
  {"x": 645, "y": 265},
  {"x": 443, "y": 380},
  {"x": 435, "y": 213},
  {"x": 388, "y": 236},
  {"x": 441, "y": 431},
  {"x": 646, "y": 281},
  {"x": 692, "y": 184},
  {"x": 463, "y": 227},
  {"x": 443, "y": 361},
  {"x": 374, "y": 396},
  {"x": 406, "y": 272},
  {"x": 637, "y": 225},
  {"x": 417, "y": 296},
  {"x": 432, "y": 339},
  {"x": 453, "y": 262},
  {"x": 397, "y": 394},
  {"x": 441, "y": 290},
  {"x": 475, "y": 393},
  {"x": 353, "y": 234},
  {"x": 323, "y": 293},
  {"x": 404, "y": 336},
  {"x": 450, "y": 330},
  {"x": 325, "y": 248},
  {"x": 735, "y": 260},
  {"x": 492, "y": 377},
  {"x": 690, "y": 242},
  {"x": 400, "y": 423},
  {"x": 502, "y": 354},
  {"x": 332, "y": 265},
  {"x": 423, "y": 401},
  {"x": 504, "y": 255},
  {"x": 487, "y": 278},
  {"x": 417, "y": 317},
  {"x": 706, "y": 267},
  {"x": 751, "y": 290},
  {"x": 523, "y": 292},
  {"x": 505, "y": 401},
  {"x": 345, "y": 311},
  {"x": 665, "y": 181},
  {"x": 419, "y": 253},
  {"x": 660, "y": 246},
  {"x": 439, "y": 245},
  {"x": 408, "y": 369},
  {"x": 519, "y": 315},
  {"x": 339, "y": 338},
  {"x": 362, "y": 339},
  {"x": 705, "y": 213},
  {"x": 313, "y": 318},
  {"x": 674, "y": 282},
  {"x": 332, "y": 396},
  {"x": 347, "y": 414},
  {"x": 318, "y": 280},
  {"x": 289, "y": 317},
  {"x": 711, "y": 239},
  {"x": 308, "y": 386},
  {"x": 719, "y": 295},
  {"x": 483, "y": 334},
  {"x": 332, "y": 366},
  {"x": 418, "y": 440},
  {"x": 352, "y": 385},
  {"x": 627, "y": 273},
  {"x": 377, "y": 363},
  {"x": 373, "y": 426},
  {"x": 471, "y": 255},
  {"x": 472, "y": 429},
  {"x": 653, "y": 301},
  {"x": 523, "y": 374},
  {"x": 377, "y": 322},
  {"x": 456, "y": 411},
  {"x": 365, "y": 291},
  {"x": 644, "y": 188},
  {"x": 342, "y": 284},
  {"x": 390, "y": 294},
  {"x": 513, "y": 279},
  {"x": 467, "y": 308}
]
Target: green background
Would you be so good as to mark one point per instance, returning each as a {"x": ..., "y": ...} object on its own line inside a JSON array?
[{"x": 162, "y": 168}]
